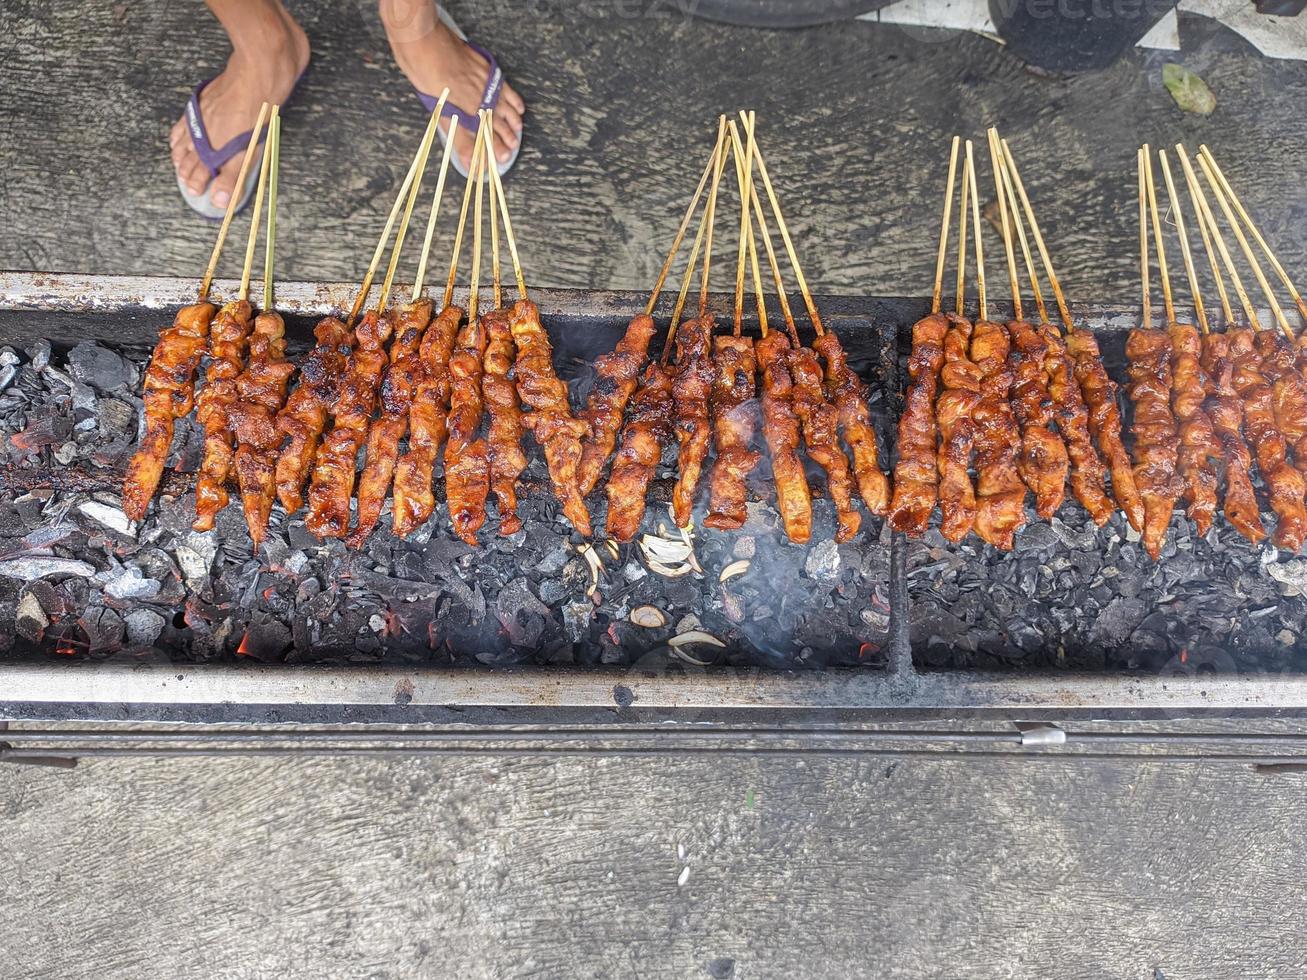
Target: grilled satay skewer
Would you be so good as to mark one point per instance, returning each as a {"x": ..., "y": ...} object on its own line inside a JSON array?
[
  {"x": 649, "y": 420},
  {"x": 334, "y": 469},
  {"x": 229, "y": 340},
  {"x": 1043, "y": 462},
  {"x": 170, "y": 377},
  {"x": 819, "y": 415},
  {"x": 916, "y": 474},
  {"x": 262, "y": 385},
  {"x": 1096, "y": 388}
]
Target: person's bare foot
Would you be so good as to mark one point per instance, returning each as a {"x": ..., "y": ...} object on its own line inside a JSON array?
[
  {"x": 269, "y": 52},
  {"x": 433, "y": 57}
]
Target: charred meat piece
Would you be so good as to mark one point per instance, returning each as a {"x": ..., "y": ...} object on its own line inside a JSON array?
[
  {"x": 821, "y": 438},
  {"x": 954, "y": 410},
  {"x": 397, "y": 390},
  {"x": 916, "y": 472},
  {"x": 169, "y": 395},
  {"x": 550, "y": 419},
  {"x": 1000, "y": 493},
  {"x": 427, "y": 420},
  {"x": 616, "y": 376},
  {"x": 648, "y": 426},
  {"x": 733, "y": 407},
  {"x": 1225, "y": 409},
  {"x": 1088, "y": 482},
  {"x": 1199, "y": 448},
  {"x": 334, "y": 469},
  {"x": 1280, "y": 366},
  {"x": 1043, "y": 463},
  {"x": 1099, "y": 392},
  {"x": 467, "y": 460},
  {"x": 262, "y": 387},
  {"x": 308, "y": 409},
  {"x": 228, "y": 339},
  {"x": 690, "y": 393},
  {"x": 849, "y": 395},
  {"x": 1149, "y": 355},
  {"x": 780, "y": 427},
  {"x": 1284, "y": 485},
  {"x": 504, "y": 434}
]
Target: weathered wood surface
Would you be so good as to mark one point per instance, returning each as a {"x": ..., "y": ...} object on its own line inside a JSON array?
[
  {"x": 570, "y": 868},
  {"x": 622, "y": 101}
]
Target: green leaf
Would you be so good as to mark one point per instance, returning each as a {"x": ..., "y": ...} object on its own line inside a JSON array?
[
  {"x": 1189, "y": 91},
  {"x": 748, "y": 799}
]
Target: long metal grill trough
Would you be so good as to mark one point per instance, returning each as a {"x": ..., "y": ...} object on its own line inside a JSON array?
[{"x": 100, "y": 618}]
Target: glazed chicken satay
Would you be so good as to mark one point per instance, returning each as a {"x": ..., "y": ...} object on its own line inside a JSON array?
[
  {"x": 467, "y": 461},
  {"x": 413, "y": 499},
  {"x": 916, "y": 472},
  {"x": 1148, "y": 352},
  {"x": 648, "y": 426},
  {"x": 1099, "y": 393},
  {"x": 616, "y": 376},
  {"x": 1285, "y": 485},
  {"x": 849, "y": 395},
  {"x": 733, "y": 395},
  {"x": 780, "y": 426},
  {"x": 334, "y": 468},
  {"x": 1200, "y": 450},
  {"x": 229, "y": 338},
  {"x": 504, "y": 433},
  {"x": 1044, "y": 462},
  {"x": 821, "y": 437},
  {"x": 1086, "y": 471},
  {"x": 396, "y": 397},
  {"x": 1225, "y": 409},
  {"x": 306, "y": 412},
  {"x": 550, "y": 419},
  {"x": 169, "y": 395},
  {"x": 960, "y": 378},
  {"x": 1000, "y": 493},
  {"x": 262, "y": 389},
  {"x": 690, "y": 393},
  {"x": 1280, "y": 367}
]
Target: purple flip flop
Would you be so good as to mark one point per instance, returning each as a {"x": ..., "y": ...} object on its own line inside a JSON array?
[
  {"x": 489, "y": 98},
  {"x": 214, "y": 159}
]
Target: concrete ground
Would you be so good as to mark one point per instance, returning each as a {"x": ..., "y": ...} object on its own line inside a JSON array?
[{"x": 570, "y": 868}]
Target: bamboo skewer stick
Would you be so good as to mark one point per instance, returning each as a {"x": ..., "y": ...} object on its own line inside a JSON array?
[
  {"x": 712, "y": 216},
  {"x": 1013, "y": 279},
  {"x": 975, "y": 225},
  {"x": 1200, "y": 312},
  {"x": 207, "y": 281},
  {"x": 936, "y": 297},
  {"x": 719, "y": 166},
  {"x": 761, "y": 218},
  {"x": 1019, "y": 224},
  {"x": 742, "y": 251},
  {"x": 1276, "y": 310},
  {"x": 1196, "y": 189},
  {"x": 680, "y": 233},
  {"x": 253, "y": 239},
  {"x": 1210, "y": 251},
  {"x": 1063, "y": 310},
  {"x": 494, "y": 222},
  {"x": 424, "y": 152},
  {"x": 1162, "y": 272},
  {"x": 462, "y": 222},
  {"x": 477, "y": 178},
  {"x": 1204, "y": 152},
  {"x": 960, "y": 290},
  {"x": 1146, "y": 317},
  {"x": 508, "y": 228},
  {"x": 813, "y": 315},
  {"x": 274, "y": 147},
  {"x": 435, "y": 211},
  {"x": 757, "y": 275}
]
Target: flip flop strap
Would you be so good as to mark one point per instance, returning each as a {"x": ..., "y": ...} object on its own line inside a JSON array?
[
  {"x": 212, "y": 159},
  {"x": 489, "y": 95}
]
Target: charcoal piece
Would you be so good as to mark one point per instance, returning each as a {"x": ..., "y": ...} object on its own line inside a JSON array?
[
  {"x": 143, "y": 627},
  {"x": 30, "y": 620},
  {"x": 823, "y": 561},
  {"x": 99, "y": 367},
  {"x": 553, "y": 591},
  {"x": 1037, "y": 537},
  {"x": 104, "y": 629},
  {"x": 128, "y": 583},
  {"x": 8, "y": 367},
  {"x": 576, "y": 619},
  {"x": 1117, "y": 621},
  {"x": 554, "y": 559},
  {"x": 42, "y": 567},
  {"x": 520, "y": 613},
  {"x": 38, "y": 355}
]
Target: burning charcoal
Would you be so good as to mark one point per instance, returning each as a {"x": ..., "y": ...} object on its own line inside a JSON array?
[
  {"x": 41, "y": 567},
  {"x": 104, "y": 629},
  {"x": 576, "y": 619},
  {"x": 31, "y": 620},
  {"x": 100, "y": 368},
  {"x": 521, "y": 614},
  {"x": 143, "y": 627},
  {"x": 265, "y": 638},
  {"x": 44, "y": 428},
  {"x": 823, "y": 561},
  {"x": 128, "y": 583}
]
